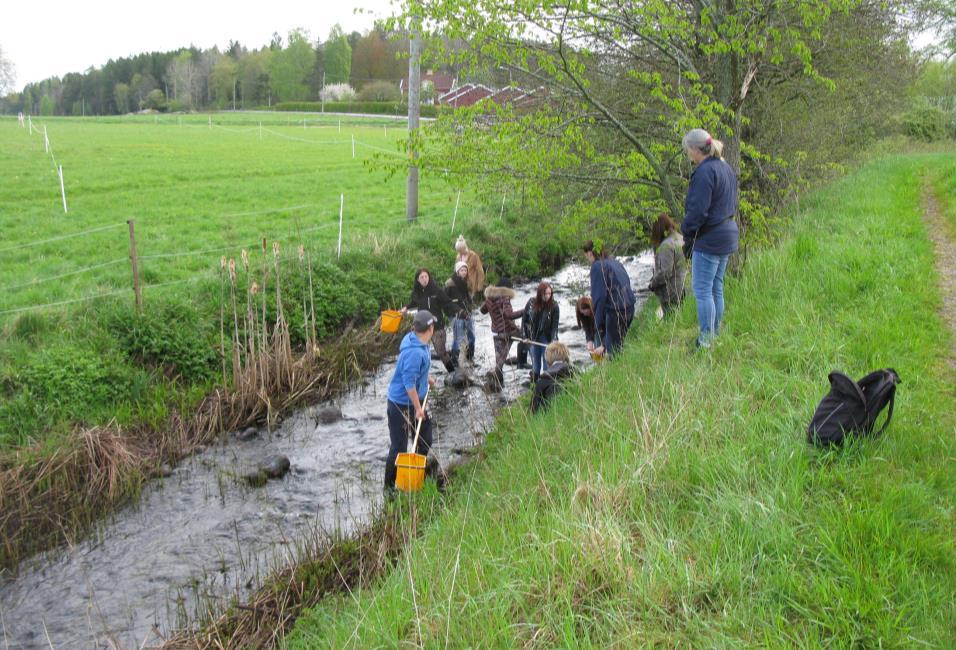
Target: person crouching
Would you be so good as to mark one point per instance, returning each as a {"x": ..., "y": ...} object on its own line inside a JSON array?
[
  {"x": 558, "y": 368},
  {"x": 407, "y": 391}
]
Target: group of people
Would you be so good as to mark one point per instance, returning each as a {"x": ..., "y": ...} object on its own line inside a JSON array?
[{"x": 708, "y": 235}]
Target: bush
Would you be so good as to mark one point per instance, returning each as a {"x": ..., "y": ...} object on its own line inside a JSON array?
[
  {"x": 926, "y": 122},
  {"x": 380, "y": 91},
  {"x": 168, "y": 336},
  {"x": 155, "y": 100},
  {"x": 373, "y": 108},
  {"x": 337, "y": 93}
]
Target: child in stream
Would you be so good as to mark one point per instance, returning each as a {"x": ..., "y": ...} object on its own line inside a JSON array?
[
  {"x": 498, "y": 305},
  {"x": 406, "y": 392}
]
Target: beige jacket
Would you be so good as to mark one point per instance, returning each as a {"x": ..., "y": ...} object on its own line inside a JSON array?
[{"x": 476, "y": 272}]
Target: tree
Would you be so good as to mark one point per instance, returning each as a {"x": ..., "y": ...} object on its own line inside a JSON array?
[
  {"x": 121, "y": 96},
  {"x": 338, "y": 57},
  {"x": 619, "y": 83},
  {"x": 289, "y": 68},
  {"x": 181, "y": 75},
  {"x": 155, "y": 100},
  {"x": 7, "y": 74},
  {"x": 254, "y": 77},
  {"x": 371, "y": 60},
  {"x": 224, "y": 79},
  {"x": 47, "y": 106}
]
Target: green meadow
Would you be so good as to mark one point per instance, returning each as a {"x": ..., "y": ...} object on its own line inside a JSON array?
[
  {"x": 669, "y": 498},
  {"x": 198, "y": 187}
]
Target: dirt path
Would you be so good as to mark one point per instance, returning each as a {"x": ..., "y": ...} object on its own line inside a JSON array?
[{"x": 945, "y": 246}]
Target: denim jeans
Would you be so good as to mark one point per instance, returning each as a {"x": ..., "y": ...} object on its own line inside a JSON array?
[
  {"x": 708, "y": 285},
  {"x": 537, "y": 357},
  {"x": 401, "y": 427},
  {"x": 461, "y": 327}
]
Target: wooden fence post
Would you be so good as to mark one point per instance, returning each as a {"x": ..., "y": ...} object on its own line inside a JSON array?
[{"x": 137, "y": 290}]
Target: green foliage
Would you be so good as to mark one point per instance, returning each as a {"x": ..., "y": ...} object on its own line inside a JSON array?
[
  {"x": 927, "y": 123},
  {"x": 155, "y": 100},
  {"x": 366, "y": 107},
  {"x": 47, "y": 107},
  {"x": 170, "y": 336},
  {"x": 289, "y": 68},
  {"x": 338, "y": 57}
]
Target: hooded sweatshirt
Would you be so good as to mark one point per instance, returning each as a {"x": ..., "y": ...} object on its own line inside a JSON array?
[
  {"x": 432, "y": 298},
  {"x": 411, "y": 371}
]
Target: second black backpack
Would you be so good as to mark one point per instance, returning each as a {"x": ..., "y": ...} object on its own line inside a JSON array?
[{"x": 852, "y": 407}]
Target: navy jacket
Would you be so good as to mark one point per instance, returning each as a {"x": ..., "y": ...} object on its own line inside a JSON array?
[
  {"x": 711, "y": 198},
  {"x": 610, "y": 289}
]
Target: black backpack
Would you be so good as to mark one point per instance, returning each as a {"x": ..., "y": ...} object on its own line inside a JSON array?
[{"x": 852, "y": 407}]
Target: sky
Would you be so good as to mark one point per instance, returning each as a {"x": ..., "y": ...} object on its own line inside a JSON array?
[{"x": 52, "y": 39}]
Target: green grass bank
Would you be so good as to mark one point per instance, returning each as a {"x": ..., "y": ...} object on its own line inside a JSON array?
[{"x": 670, "y": 498}]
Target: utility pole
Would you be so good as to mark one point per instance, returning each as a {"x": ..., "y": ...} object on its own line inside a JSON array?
[{"x": 414, "y": 98}]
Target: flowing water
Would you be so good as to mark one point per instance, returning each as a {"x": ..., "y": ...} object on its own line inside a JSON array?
[{"x": 203, "y": 535}]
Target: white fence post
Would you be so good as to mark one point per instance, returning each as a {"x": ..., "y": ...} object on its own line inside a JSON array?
[
  {"x": 502, "y": 212},
  {"x": 353, "y": 145},
  {"x": 341, "y": 210},
  {"x": 340, "y": 126},
  {"x": 455, "y": 216},
  {"x": 30, "y": 122},
  {"x": 210, "y": 121},
  {"x": 62, "y": 190},
  {"x": 46, "y": 141}
]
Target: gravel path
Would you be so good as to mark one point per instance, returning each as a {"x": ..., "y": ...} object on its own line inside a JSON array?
[{"x": 945, "y": 246}]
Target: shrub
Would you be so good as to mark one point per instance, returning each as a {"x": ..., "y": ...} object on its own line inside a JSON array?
[
  {"x": 337, "y": 93},
  {"x": 373, "y": 108},
  {"x": 168, "y": 336},
  {"x": 925, "y": 122},
  {"x": 380, "y": 91}
]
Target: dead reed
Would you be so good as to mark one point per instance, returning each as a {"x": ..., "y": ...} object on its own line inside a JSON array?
[{"x": 50, "y": 498}]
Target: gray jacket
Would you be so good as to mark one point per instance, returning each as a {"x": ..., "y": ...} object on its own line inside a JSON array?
[{"x": 670, "y": 267}]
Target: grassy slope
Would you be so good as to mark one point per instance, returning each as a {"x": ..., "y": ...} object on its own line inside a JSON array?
[{"x": 671, "y": 497}]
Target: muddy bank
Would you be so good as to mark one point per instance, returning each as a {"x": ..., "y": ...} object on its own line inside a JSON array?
[{"x": 204, "y": 537}]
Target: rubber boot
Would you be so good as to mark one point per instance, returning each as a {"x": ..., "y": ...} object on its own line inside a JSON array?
[
  {"x": 470, "y": 354},
  {"x": 449, "y": 363}
]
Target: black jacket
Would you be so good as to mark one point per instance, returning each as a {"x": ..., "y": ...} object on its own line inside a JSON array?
[
  {"x": 548, "y": 385},
  {"x": 544, "y": 323},
  {"x": 460, "y": 297},
  {"x": 433, "y": 299}
]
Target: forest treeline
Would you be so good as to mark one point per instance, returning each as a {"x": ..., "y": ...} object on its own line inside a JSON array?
[{"x": 291, "y": 69}]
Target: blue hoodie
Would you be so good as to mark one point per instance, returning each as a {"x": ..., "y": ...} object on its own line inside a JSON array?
[{"x": 411, "y": 371}]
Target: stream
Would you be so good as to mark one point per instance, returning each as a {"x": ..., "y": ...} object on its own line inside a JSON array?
[{"x": 203, "y": 536}]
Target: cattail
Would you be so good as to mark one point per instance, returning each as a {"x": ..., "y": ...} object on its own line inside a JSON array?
[
  {"x": 222, "y": 262},
  {"x": 232, "y": 271},
  {"x": 301, "y": 253},
  {"x": 275, "y": 249},
  {"x": 254, "y": 289},
  {"x": 245, "y": 260}
]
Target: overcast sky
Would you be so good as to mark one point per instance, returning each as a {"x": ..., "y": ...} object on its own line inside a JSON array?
[{"x": 51, "y": 39}]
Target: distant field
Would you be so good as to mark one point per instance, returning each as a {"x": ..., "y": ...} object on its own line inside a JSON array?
[{"x": 198, "y": 187}]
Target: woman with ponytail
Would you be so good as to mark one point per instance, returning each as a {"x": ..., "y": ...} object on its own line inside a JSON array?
[{"x": 709, "y": 227}]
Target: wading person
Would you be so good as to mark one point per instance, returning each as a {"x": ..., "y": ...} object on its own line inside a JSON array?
[
  {"x": 407, "y": 391},
  {"x": 710, "y": 228},
  {"x": 612, "y": 297},
  {"x": 463, "y": 325},
  {"x": 558, "y": 368},
  {"x": 521, "y": 354},
  {"x": 426, "y": 295},
  {"x": 670, "y": 267},
  {"x": 476, "y": 272},
  {"x": 545, "y": 316},
  {"x": 584, "y": 313},
  {"x": 498, "y": 305}
]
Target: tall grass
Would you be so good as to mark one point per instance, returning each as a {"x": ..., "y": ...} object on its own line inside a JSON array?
[{"x": 670, "y": 498}]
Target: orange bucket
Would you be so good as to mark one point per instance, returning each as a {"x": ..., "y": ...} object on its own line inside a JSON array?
[
  {"x": 598, "y": 358},
  {"x": 411, "y": 472},
  {"x": 391, "y": 321}
]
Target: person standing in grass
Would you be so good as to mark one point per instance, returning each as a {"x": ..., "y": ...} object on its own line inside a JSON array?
[
  {"x": 460, "y": 296},
  {"x": 426, "y": 295},
  {"x": 498, "y": 305},
  {"x": 709, "y": 224},
  {"x": 476, "y": 272},
  {"x": 558, "y": 368},
  {"x": 406, "y": 393},
  {"x": 612, "y": 297},
  {"x": 545, "y": 316},
  {"x": 669, "y": 264}
]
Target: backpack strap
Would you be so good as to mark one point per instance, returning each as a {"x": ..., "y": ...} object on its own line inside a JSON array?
[{"x": 889, "y": 414}]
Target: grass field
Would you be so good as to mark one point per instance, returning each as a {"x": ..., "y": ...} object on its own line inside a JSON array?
[
  {"x": 670, "y": 498},
  {"x": 197, "y": 186}
]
